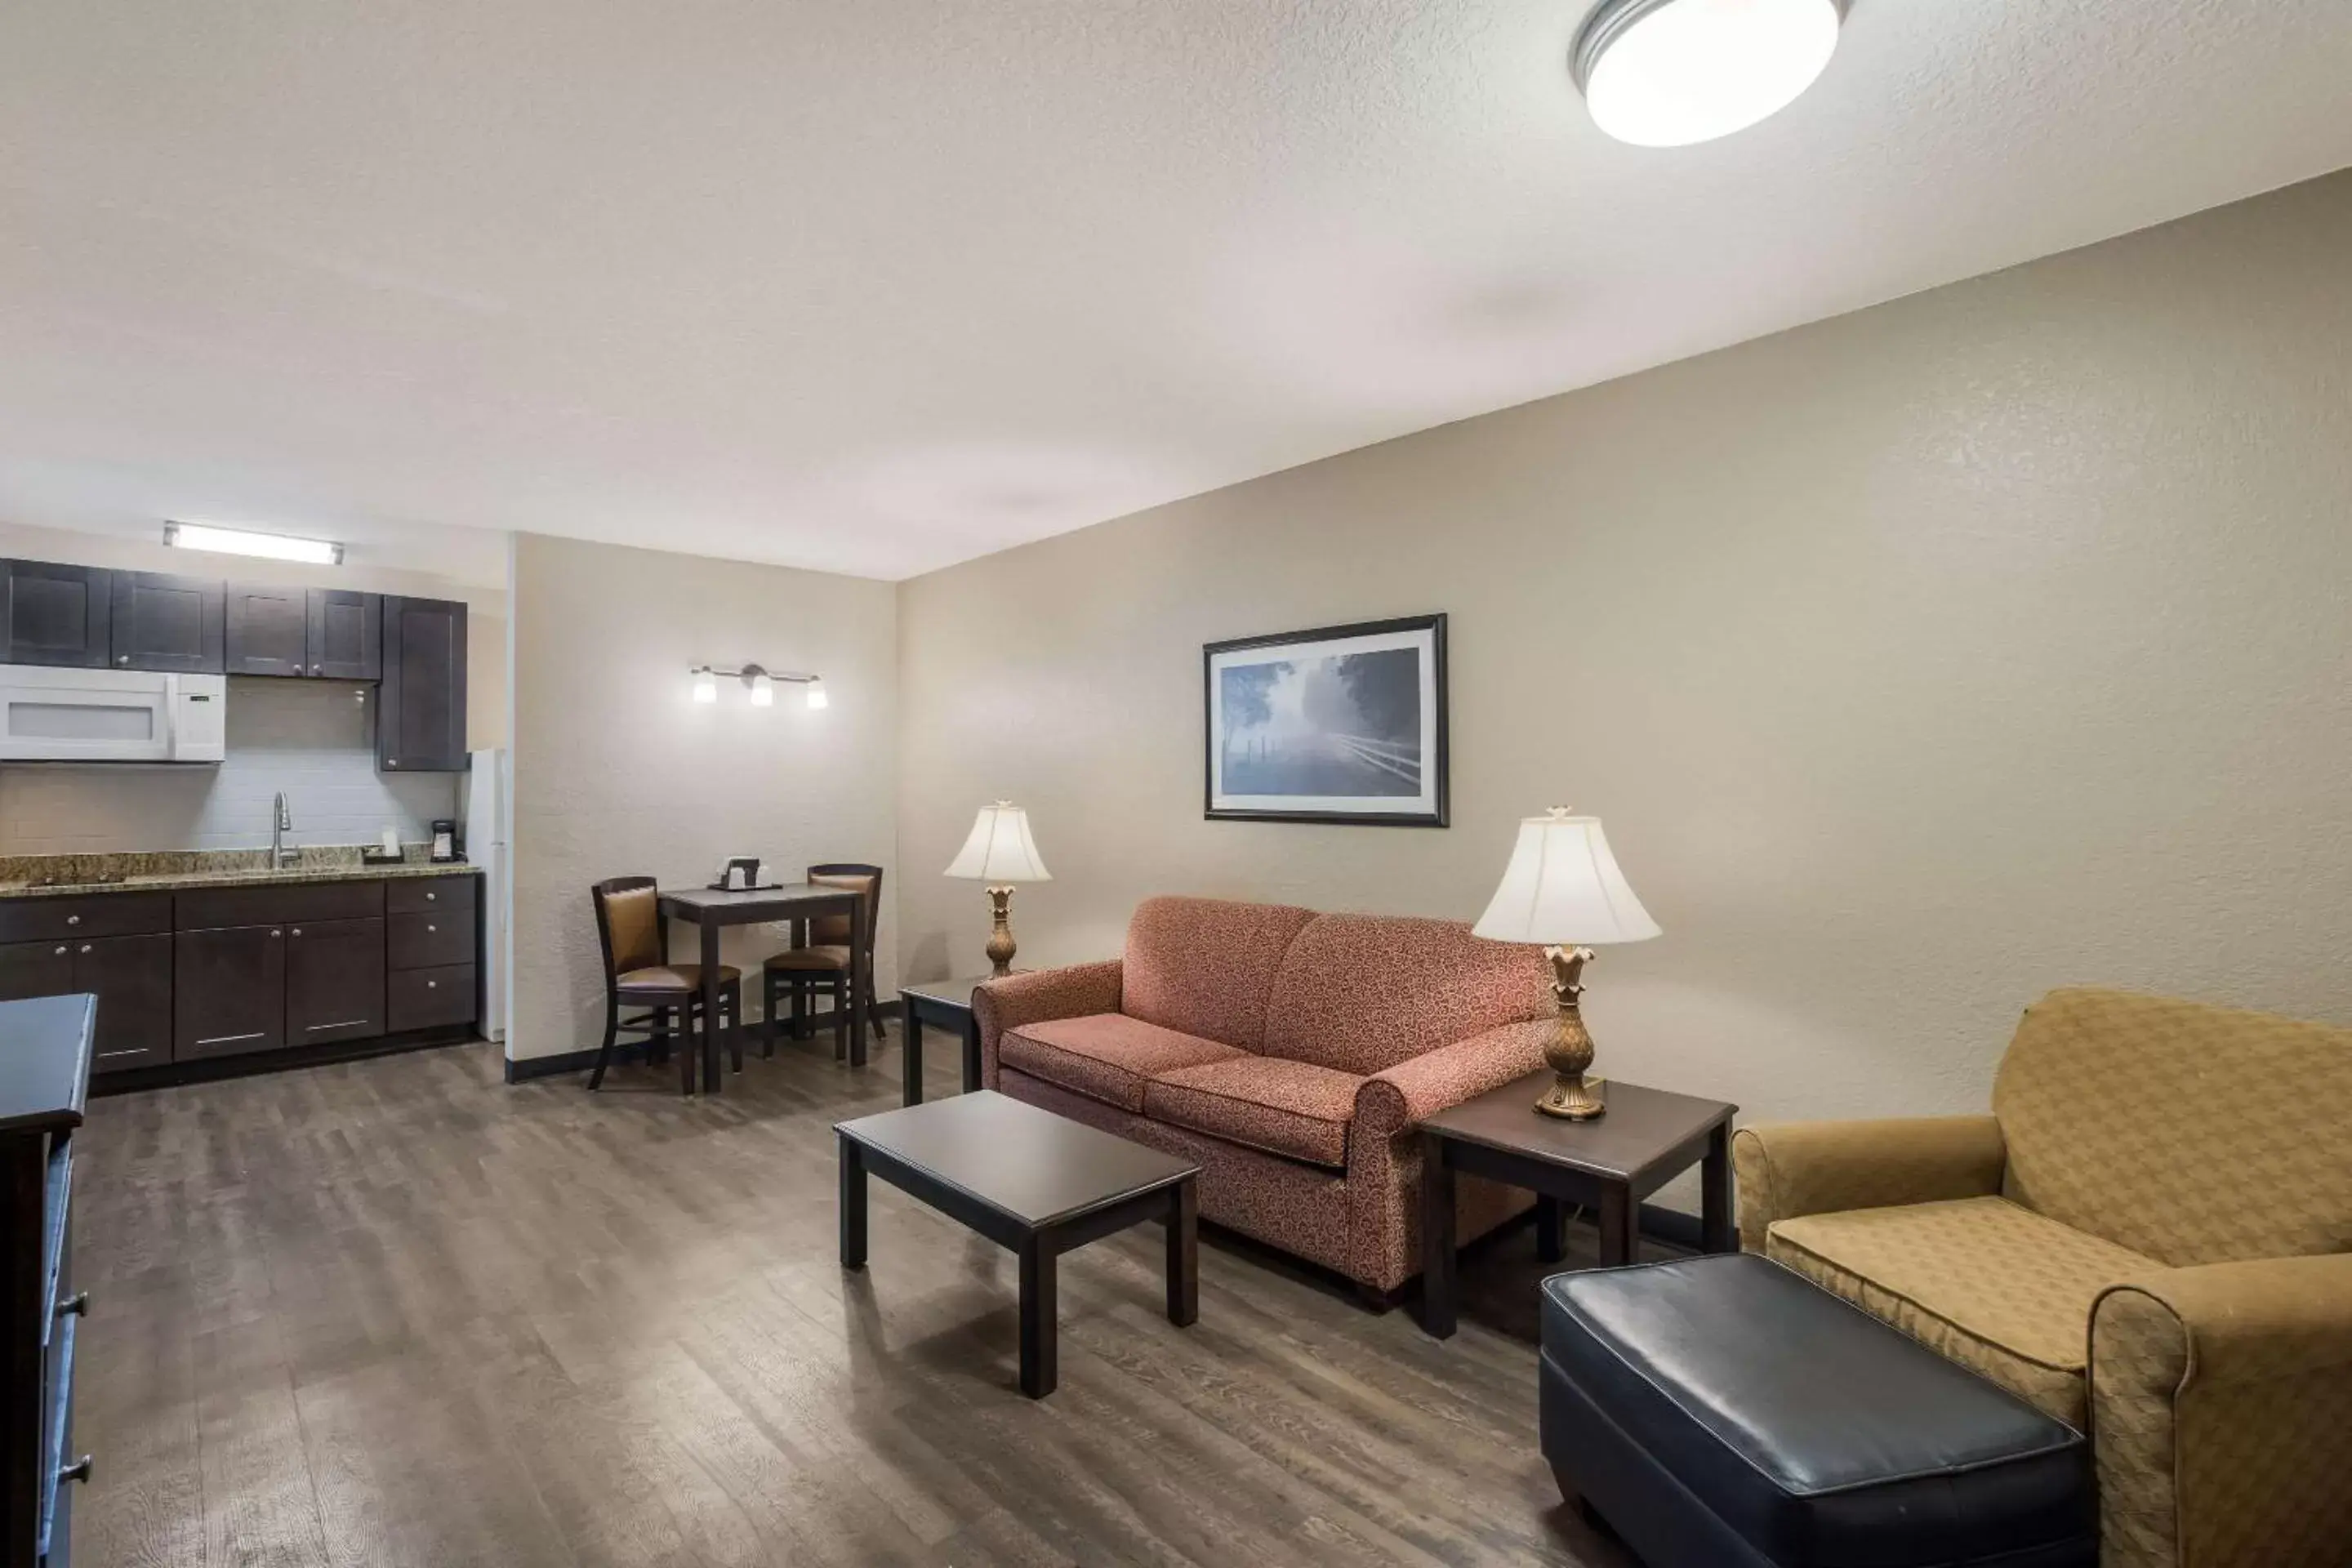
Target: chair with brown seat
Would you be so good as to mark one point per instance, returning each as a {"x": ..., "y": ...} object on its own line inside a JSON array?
[
  {"x": 821, "y": 963},
  {"x": 638, "y": 973}
]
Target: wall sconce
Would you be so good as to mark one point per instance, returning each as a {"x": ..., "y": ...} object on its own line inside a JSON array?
[{"x": 760, "y": 682}]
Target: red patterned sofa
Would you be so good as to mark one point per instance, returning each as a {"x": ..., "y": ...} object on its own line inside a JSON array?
[{"x": 1292, "y": 1054}]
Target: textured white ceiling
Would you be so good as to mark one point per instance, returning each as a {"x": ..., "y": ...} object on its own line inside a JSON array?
[{"x": 876, "y": 285}]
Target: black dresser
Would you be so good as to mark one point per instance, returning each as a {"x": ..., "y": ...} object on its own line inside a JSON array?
[{"x": 45, "y": 1056}]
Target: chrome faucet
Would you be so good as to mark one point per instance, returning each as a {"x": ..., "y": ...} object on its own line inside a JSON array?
[{"x": 281, "y": 822}]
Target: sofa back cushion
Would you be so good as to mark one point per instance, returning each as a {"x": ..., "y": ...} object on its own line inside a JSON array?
[
  {"x": 2193, "y": 1134},
  {"x": 1361, "y": 993},
  {"x": 1204, "y": 967}
]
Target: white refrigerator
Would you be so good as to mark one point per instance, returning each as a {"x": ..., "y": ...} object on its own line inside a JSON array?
[{"x": 485, "y": 813}]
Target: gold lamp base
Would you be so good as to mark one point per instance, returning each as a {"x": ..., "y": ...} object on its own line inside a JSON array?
[
  {"x": 1001, "y": 947},
  {"x": 1569, "y": 1052}
]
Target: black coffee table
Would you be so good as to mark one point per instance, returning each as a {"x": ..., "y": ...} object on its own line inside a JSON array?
[
  {"x": 947, "y": 1004},
  {"x": 1648, "y": 1137},
  {"x": 1034, "y": 1183}
]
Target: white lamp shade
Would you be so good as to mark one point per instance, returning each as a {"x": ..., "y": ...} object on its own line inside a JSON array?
[
  {"x": 1562, "y": 889},
  {"x": 1000, "y": 848}
]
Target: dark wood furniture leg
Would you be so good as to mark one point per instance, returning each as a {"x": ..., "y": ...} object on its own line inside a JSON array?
[
  {"x": 1437, "y": 1240},
  {"x": 1040, "y": 1370},
  {"x": 972, "y": 1055},
  {"x": 1183, "y": 1256},
  {"x": 1716, "y": 1231},
  {"x": 853, "y": 1204},
  {"x": 855, "y": 982},
  {"x": 1618, "y": 1235},
  {"x": 1550, "y": 1247},
  {"x": 712, "y": 1082},
  {"x": 912, "y": 1068}
]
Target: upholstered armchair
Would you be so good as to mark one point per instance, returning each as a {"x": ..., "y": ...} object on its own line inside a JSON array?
[{"x": 2149, "y": 1237}]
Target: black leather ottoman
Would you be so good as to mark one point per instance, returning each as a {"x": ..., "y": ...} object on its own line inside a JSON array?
[{"x": 1724, "y": 1412}]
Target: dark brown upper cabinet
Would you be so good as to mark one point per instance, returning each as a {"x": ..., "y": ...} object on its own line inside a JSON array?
[
  {"x": 269, "y": 630},
  {"x": 169, "y": 623},
  {"x": 57, "y": 615},
  {"x": 420, "y": 722},
  {"x": 335, "y": 634},
  {"x": 346, "y": 634}
]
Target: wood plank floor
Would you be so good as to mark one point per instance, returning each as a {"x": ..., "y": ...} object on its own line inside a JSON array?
[{"x": 396, "y": 1312}]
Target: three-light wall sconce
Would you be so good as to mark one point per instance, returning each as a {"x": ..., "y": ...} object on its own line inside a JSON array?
[{"x": 762, "y": 683}]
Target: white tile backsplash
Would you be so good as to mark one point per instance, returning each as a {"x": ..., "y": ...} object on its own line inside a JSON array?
[{"x": 313, "y": 739}]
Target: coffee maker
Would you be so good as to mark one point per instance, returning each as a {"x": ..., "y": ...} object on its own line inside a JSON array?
[{"x": 449, "y": 842}]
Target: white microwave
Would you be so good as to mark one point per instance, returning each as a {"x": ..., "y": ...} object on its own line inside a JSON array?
[{"x": 110, "y": 716}]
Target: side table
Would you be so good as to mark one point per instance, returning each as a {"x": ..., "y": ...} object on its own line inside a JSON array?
[
  {"x": 1610, "y": 1165},
  {"x": 946, "y": 1005}
]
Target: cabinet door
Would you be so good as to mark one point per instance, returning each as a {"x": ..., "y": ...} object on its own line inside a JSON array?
[
  {"x": 131, "y": 978},
  {"x": 36, "y": 969},
  {"x": 346, "y": 634},
  {"x": 334, "y": 981},
  {"x": 169, "y": 623},
  {"x": 269, "y": 630},
  {"x": 228, "y": 992},
  {"x": 421, "y": 720},
  {"x": 57, "y": 615}
]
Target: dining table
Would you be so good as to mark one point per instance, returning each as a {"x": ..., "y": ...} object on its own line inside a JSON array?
[{"x": 713, "y": 910}]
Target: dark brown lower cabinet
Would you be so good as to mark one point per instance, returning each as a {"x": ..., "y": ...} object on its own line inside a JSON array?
[
  {"x": 131, "y": 978},
  {"x": 35, "y": 969},
  {"x": 228, "y": 992},
  {"x": 334, "y": 981}
]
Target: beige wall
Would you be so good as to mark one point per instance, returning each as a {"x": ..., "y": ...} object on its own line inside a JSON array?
[
  {"x": 616, "y": 771},
  {"x": 1918, "y": 660}
]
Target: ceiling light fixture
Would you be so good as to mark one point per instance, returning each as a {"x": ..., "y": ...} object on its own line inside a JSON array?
[
  {"x": 706, "y": 685},
  {"x": 244, "y": 542},
  {"x": 1669, "y": 73}
]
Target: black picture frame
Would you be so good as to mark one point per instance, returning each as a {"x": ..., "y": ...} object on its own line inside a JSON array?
[{"x": 1432, "y": 806}]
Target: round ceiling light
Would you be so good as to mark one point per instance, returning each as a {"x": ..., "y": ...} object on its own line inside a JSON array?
[{"x": 1667, "y": 73}]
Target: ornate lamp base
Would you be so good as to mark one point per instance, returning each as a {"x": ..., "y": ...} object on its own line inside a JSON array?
[
  {"x": 1569, "y": 1052},
  {"x": 1000, "y": 948}
]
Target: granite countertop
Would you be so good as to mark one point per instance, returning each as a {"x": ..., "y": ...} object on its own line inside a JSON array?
[{"x": 169, "y": 871}]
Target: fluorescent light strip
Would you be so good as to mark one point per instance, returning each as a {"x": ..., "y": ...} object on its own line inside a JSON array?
[{"x": 244, "y": 542}]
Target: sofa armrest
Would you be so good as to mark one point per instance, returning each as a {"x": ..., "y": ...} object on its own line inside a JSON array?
[
  {"x": 1401, "y": 1097},
  {"x": 1074, "y": 991},
  {"x": 1826, "y": 1167},
  {"x": 2218, "y": 1401}
]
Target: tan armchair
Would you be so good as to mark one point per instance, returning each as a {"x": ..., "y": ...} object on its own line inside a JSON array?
[{"x": 2150, "y": 1237}]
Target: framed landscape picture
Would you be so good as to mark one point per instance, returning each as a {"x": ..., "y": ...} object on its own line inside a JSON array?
[{"x": 1338, "y": 724}]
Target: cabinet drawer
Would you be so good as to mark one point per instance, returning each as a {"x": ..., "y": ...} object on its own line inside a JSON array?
[
  {"x": 275, "y": 903},
  {"x": 432, "y": 998},
  {"x": 426, "y": 895},
  {"x": 98, "y": 914},
  {"x": 431, "y": 941}
]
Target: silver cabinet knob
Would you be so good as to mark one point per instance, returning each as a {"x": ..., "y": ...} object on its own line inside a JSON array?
[
  {"x": 430, "y": 927},
  {"x": 430, "y": 896},
  {"x": 318, "y": 670},
  {"x": 278, "y": 934},
  {"x": 297, "y": 931},
  {"x": 73, "y": 920},
  {"x": 85, "y": 947},
  {"x": 61, "y": 952},
  {"x": 124, "y": 659},
  {"x": 433, "y": 986}
]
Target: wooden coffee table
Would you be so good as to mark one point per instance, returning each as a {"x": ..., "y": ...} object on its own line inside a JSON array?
[
  {"x": 1034, "y": 1183},
  {"x": 1610, "y": 1165}
]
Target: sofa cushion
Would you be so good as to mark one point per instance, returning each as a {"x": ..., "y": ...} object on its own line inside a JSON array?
[
  {"x": 1992, "y": 1285},
  {"x": 1204, "y": 967},
  {"x": 1282, "y": 1107},
  {"x": 1105, "y": 1056},
  {"x": 2194, "y": 1135},
  {"x": 1360, "y": 994}
]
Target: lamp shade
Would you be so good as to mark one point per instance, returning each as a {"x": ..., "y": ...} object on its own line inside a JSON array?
[
  {"x": 1000, "y": 848},
  {"x": 1562, "y": 889}
]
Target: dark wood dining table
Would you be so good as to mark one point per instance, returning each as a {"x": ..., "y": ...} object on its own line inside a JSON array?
[{"x": 715, "y": 909}]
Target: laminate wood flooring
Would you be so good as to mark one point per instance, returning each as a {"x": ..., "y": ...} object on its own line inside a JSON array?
[{"x": 397, "y": 1312}]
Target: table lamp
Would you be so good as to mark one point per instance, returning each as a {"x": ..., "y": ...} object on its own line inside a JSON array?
[
  {"x": 1000, "y": 852},
  {"x": 1561, "y": 890}
]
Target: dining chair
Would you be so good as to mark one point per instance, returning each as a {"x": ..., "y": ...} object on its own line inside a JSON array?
[
  {"x": 821, "y": 963},
  {"x": 638, "y": 973}
]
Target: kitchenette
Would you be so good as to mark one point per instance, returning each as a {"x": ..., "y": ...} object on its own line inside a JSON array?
[{"x": 238, "y": 813}]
